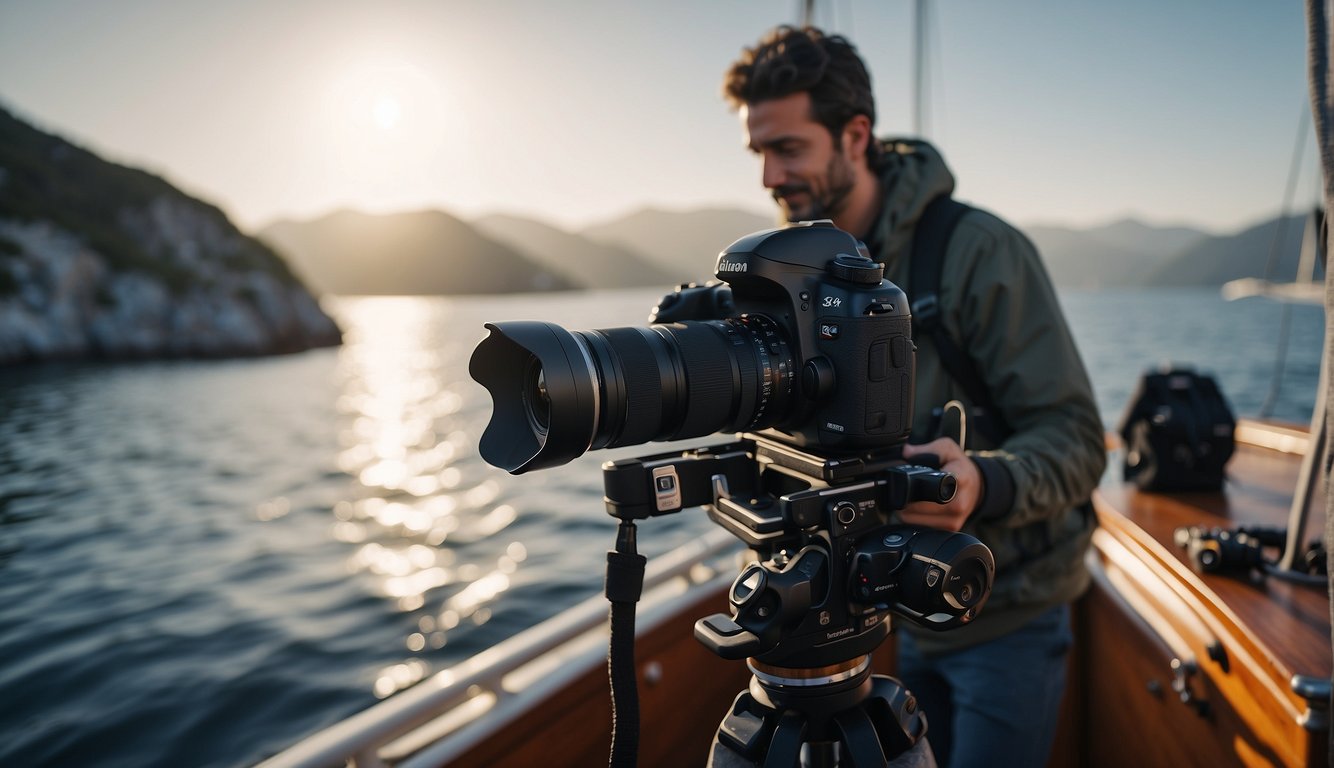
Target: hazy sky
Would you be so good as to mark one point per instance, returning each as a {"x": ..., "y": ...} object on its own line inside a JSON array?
[{"x": 1063, "y": 111}]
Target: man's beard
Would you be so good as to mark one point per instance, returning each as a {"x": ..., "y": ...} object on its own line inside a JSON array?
[{"x": 829, "y": 202}]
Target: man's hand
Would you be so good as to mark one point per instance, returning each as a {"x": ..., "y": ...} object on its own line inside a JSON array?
[{"x": 949, "y": 516}]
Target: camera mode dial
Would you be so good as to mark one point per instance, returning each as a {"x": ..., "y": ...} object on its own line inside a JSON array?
[{"x": 857, "y": 269}]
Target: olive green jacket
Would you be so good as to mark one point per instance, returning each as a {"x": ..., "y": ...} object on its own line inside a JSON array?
[{"x": 998, "y": 305}]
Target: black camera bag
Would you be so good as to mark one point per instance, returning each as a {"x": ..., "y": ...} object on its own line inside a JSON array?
[{"x": 1178, "y": 432}]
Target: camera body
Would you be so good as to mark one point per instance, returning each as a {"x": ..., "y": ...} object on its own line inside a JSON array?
[
  {"x": 848, "y": 332},
  {"x": 1219, "y": 550}
]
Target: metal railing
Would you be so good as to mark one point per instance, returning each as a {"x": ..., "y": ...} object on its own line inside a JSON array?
[{"x": 448, "y": 713}]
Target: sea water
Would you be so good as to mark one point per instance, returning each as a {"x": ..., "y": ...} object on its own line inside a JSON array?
[{"x": 202, "y": 562}]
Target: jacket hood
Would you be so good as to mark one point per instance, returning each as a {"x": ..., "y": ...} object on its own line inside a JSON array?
[{"x": 912, "y": 174}]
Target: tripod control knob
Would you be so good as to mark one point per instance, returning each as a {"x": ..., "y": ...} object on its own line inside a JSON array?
[
  {"x": 766, "y": 603},
  {"x": 748, "y": 586},
  {"x": 845, "y": 512}
]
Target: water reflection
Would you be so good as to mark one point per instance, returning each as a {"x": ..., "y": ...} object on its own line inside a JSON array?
[
  {"x": 273, "y": 509},
  {"x": 399, "y": 676},
  {"x": 427, "y": 541}
]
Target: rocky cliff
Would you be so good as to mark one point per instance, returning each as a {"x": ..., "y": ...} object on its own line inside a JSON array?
[{"x": 101, "y": 260}]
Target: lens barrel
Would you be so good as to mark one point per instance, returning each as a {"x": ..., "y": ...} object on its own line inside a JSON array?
[{"x": 558, "y": 393}]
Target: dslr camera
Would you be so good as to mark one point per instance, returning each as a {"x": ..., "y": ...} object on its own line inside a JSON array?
[
  {"x": 815, "y": 352},
  {"x": 806, "y": 350}
]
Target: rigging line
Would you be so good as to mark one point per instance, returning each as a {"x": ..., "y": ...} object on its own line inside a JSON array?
[
  {"x": 1275, "y": 248},
  {"x": 1281, "y": 231},
  {"x": 1280, "y": 361}
]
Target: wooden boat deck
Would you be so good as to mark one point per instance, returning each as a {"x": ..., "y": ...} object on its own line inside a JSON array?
[{"x": 1238, "y": 642}]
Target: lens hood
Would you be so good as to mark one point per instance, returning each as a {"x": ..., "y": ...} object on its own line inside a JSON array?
[{"x": 544, "y": 395}]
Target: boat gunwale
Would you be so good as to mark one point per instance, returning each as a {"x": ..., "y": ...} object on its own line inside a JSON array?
[{"x": 359, "y": 740}]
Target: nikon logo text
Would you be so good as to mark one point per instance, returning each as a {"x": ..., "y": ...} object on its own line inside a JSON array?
[{"x": 732, "y": 266}]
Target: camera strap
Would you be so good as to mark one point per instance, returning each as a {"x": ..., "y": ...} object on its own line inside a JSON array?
[
  {"x": 927, "y": 263},
  {"x": 623, "y": 587}
]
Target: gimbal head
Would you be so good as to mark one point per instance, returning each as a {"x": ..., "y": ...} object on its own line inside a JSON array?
[{"x": 831, "y": 566}]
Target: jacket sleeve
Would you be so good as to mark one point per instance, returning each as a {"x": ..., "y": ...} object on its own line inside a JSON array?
[{"x": 1011, "y": 323}]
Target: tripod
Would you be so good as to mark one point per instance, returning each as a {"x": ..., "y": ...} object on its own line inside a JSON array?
[
  {"x": 841, "y": 715},
  {"x": 807, "y": 614}
]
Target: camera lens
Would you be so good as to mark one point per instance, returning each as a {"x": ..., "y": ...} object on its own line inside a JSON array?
[
  {"x": 537, "y": 400},
  {"x": 625, "y": 386}
]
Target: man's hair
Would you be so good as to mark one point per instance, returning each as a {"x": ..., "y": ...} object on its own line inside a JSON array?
[{"x": 790, "y": 60}]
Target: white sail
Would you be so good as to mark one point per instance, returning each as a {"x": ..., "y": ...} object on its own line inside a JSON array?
[{"x": 1305, "y": 289}]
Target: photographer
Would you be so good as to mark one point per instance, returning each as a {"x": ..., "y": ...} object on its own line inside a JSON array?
[{"x": 1003, "y": 351}]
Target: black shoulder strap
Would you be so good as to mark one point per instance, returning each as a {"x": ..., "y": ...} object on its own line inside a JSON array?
[{"x": 930, "y": 238}]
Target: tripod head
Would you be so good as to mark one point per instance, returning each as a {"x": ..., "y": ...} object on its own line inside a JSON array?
[{"x": 831, "y": 567}]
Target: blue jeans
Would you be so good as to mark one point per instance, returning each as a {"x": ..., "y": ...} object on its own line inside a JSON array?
[{"x": 997, "y": 703}]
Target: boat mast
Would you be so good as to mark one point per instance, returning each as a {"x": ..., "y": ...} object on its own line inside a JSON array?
[
  {"x": 919, "y": 69},
  {"x": 920, "y": 30},
  {"x": 1319, "y": 73}
]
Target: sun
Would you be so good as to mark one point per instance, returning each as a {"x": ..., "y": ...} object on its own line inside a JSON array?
[
  {"x": 386, "y": 131},
  {"x": 386, "y": 111}
]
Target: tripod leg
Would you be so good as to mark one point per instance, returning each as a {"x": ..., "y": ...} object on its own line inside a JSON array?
[
  {"x": 860, "y": 740},
  {"x": 752, "y": 735},
  {"x": 785, "y": 746},
  {"x": 894, "y": 713},
  {"x": 746, "y": 728},
  {"x": 783, "y": 749}
]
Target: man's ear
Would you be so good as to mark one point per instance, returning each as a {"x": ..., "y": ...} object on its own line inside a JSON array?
[{"x": 856, "y": 137}]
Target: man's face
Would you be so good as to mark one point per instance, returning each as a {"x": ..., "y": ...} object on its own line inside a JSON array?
[{"x": 807, "y": 173}]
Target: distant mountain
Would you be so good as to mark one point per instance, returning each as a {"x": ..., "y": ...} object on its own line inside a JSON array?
[
  {"x": 103, "y": 260},
  {"x": 685, "y": 244},
  {"x": 1216, "y": 260},
  {"x": 1122, "y": 253},
  {"x": 1130, "y": 253},
  {"x": 581, "y": 260},
  {"x": 1136, "y": 235},
  {"x": 426, "y": 252},
  {"x": 434, "y": 252}
]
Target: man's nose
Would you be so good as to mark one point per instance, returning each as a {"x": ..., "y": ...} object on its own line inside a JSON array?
[{"x": 773, "y": 174}]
